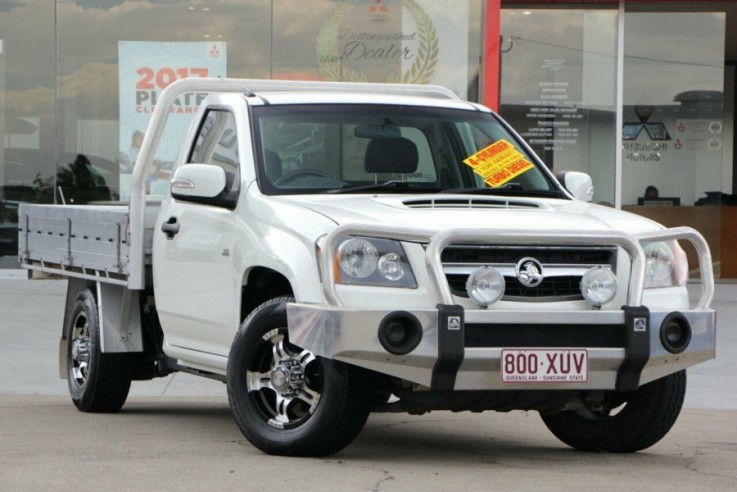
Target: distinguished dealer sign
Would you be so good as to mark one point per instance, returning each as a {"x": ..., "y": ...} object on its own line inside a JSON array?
[{"x": 395, "y": 41}]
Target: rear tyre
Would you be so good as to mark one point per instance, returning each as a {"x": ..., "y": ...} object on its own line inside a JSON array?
[
  {"x": 97, "y": 382},
  {"x": 646, "y": 417},
  {"x": 286, "y": 400}
]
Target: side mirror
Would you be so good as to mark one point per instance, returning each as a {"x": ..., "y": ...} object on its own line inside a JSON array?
[
  {"x": 197, "y": 181},
  {"x": 578, "y": 184}
]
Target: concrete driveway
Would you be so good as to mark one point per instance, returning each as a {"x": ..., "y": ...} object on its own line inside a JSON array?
[{"x": 177, "y": 433}]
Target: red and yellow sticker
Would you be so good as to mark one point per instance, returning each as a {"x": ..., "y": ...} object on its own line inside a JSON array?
[{"x": 498, "y": 163}]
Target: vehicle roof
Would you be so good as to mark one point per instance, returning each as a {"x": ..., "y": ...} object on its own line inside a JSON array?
[{"x": 292, "y": 97}]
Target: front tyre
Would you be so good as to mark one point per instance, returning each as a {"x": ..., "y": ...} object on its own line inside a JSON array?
[
  {"x": 645, "y": 418},
  {"x": 97, "y": 382},
  {"x": 287, "y": 401}
]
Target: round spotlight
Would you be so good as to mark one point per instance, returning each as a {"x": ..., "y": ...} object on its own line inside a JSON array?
[
  {"x": 598, "y": 286},
  {"x": 485, "y": 286},
  {"x": 675, "y": 333}
]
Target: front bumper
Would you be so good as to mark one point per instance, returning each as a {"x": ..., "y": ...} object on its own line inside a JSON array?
[
  {"x": 450, "y": 356},
  {"x": 457, "y": 348}
]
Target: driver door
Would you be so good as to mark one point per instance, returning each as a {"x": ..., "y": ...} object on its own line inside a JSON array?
[{"x": 196, "y": 284}]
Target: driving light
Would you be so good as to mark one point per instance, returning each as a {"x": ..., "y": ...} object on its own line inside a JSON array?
[
  {"x": 485, "y": 286},
  {"x": 400, "y": 333},
  {"x": 358, "y": 257},
  {"x": 675, "y": 333},
  {"x": 598, "y": 286}
]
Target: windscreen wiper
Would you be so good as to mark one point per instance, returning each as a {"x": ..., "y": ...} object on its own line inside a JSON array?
[{"x": 391, "y": 186}]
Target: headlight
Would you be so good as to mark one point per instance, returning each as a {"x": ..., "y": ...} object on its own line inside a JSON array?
[
  {"x": 665, "y": 265},
  {"x": 391, "y": 267},
  {"x": 373, "y": 261},
  {"x": 358, "y": 257}
]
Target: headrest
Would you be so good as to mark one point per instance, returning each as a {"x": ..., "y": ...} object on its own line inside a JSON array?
[{"x": 391, "y": 155}]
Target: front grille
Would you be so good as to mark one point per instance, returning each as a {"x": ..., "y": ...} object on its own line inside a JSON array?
[
  {"x": 563, "y": 267},
  {"x": 487, "y": 255}
]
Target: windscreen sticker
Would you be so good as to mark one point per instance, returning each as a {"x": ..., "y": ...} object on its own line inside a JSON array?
[{"x": 498, "y": 163}]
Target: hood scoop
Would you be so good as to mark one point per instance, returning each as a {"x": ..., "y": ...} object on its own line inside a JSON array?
[{"x": 468, "y": 203}]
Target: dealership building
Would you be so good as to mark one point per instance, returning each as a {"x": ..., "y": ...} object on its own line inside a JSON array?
[{"x": 637, "y": 94}]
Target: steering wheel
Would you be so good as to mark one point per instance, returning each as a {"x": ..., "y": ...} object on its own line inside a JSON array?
[{"x": 300, "y": 173}]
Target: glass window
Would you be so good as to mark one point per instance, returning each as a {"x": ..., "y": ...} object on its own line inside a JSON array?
[
  {"x": 677, "y": 149},
  {"x": 558, "y": 87},
  {"x": 216, "y": 144},
  {"x": 425, "y": 41},
  {"x": 27, "y": 115},
  {"x": 76, "y": 91},
  {"x": 673, "y": 106},
  {"x": 319, "y": 148},
  {"x": 107, "y": 88},
  {"x": 217, "y": 141}
]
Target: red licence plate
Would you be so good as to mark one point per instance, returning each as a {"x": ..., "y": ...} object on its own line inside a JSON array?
[{"x": 545, "y": 365}]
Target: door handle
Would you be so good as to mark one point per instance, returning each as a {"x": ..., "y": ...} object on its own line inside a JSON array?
[{"x": 170, "y": 227}]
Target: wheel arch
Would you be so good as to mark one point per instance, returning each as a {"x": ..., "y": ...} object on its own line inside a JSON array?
[{"x": 261, "y": 284}]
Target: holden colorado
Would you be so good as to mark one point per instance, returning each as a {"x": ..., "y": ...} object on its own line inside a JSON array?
[{"x": 328, "y": 250}]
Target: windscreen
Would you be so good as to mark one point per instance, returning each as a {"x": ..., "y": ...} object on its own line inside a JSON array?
[{"x": 397, "y": 149}]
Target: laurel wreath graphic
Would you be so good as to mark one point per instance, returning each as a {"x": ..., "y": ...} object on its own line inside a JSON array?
[{"x": 332, "y": 67}]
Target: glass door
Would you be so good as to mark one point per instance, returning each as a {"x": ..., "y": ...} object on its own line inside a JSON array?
[{"x": 676, "y": 154}]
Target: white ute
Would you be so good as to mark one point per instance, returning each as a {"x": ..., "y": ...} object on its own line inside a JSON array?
[{"x": 332, "y": 249}]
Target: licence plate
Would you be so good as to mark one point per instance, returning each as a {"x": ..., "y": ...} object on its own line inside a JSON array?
[{"x": 545, "y": 365}]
